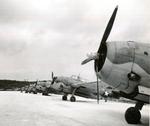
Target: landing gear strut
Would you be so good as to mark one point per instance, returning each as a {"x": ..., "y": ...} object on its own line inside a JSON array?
[
  {"x": 73, "y": 98},
  {"x": 133, "y": 115}
]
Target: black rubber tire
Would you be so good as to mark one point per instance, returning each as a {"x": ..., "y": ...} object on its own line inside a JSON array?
[
  {"x": 34, "y": 92},
  {"x": 133, "y": 115},
  {"x": 72, "y": 99},
  {"x": 46, "y": 94},
  {"x": 64, "y": 98}
]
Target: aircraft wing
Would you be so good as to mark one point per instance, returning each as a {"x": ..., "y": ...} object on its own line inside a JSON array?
[
  {"x": 78, "y": 85},
  {"x": 89, "y": 85}
]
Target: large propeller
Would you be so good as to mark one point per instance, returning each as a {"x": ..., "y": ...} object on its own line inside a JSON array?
[{"x": 100, "y": 57}]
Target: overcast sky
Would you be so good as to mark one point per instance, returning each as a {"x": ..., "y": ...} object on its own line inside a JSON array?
[{"x": 41, "y": 36}]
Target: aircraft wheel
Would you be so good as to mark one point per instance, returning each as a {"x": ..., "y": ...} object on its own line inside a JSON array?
[
  {"x": 34, "y": 92},
  {"x": 44, "y": 93},
  {"x": 132, "y": 115},
  {"x": 64, "y": 97},
  {"x": 72, "y": 99}
]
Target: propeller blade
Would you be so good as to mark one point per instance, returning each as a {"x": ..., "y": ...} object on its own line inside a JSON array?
[
  {"x": 108, "y": 29},
  {"x": 52, "y": 82},
  {"x": 52, "y": 75},
  {"x": 86, "y": 61},
  {"x": 91, "y": 57},
  {"x": 53, "y": 78},
  {"x": 101, "y": 54},
  {"x": 36, "y": 82},
  {"x": 102, "y": 51}
]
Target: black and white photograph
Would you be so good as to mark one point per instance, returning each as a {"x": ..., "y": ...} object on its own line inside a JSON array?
[{"x": 74, "y": 62}]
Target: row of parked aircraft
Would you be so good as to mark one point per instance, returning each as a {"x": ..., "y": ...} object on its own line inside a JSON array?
[
  {"x": 69, "y": 85},
  {"x": 123, "y": 65}
]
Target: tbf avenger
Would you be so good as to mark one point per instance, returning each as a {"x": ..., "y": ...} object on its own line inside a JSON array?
[
  {"x": 126, "y": 67},
  {"x": 37, "y": 87},
  {"x": 31, "y": 88},
  {"x": 75, "y": 86}
]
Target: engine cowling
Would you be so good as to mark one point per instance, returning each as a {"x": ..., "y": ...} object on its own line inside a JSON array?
[{"x": 121, "y": 52}]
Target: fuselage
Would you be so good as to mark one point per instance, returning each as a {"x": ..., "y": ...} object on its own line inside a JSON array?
[
  {"x": 84, "y": 89},
  {"x": 68, "y": 81},
  {"x": 126, "y": 66}
]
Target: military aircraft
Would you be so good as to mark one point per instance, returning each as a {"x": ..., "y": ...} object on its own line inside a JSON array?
[
  {"x": 39, "y": 87},
  {"x": 31, "y": 88},
  {"x": 42, "y": 87},
  {"x": 45, "y": 88},
  {"x": 125, "y": 65},
  {"x": 76, "y": 86}
]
